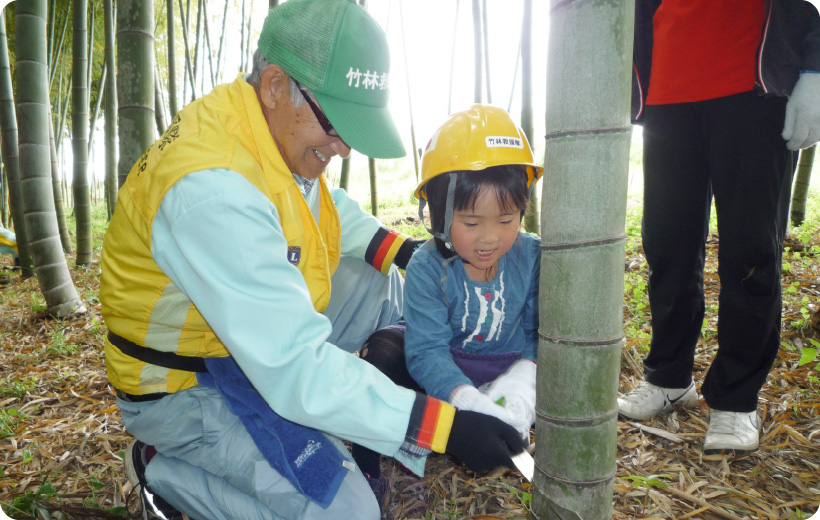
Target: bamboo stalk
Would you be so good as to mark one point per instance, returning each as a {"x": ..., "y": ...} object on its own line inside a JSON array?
[
  {"x": 187, "y": 52},
  {"x": 135, "y": 82},
  {"x": 477, "y": 51},
  {"x": 344, "y": 175},
  {"x": 9, "y": 145},
  {"x": 56, "y": 59},
  {"x": 159, "y": 103},
  {"x": 91, "y": 45},
  {"x": 248, "y": 39},
  {"x": 111, "y": 184},
  {"x": 583, "y": 210},
  {"x": 524, "y": 57},
  {"x": 208, "y": 44},
  {"x": 51, "y": 31},
  {"x": 452, "y": 61},
  {"x": 92, "y": 122},
  {"x": 802, "y": 177},
  {"x": 242, "y": 39},
  {"x": 485, "y": 32},
  {"x": 374, "y": 189},
  {"x": 409, "y": 96},
  {"x": 172, "y": 66},
  {"x": 80, "y": 134},
  {"x": 197, "y": 39},
  {"x": 221, "y": 41}
]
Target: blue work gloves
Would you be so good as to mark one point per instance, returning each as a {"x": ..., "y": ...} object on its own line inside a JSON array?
[{"x": 802, "y": 126}]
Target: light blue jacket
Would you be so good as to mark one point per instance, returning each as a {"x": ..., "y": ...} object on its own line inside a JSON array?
[{"x": 219, "y": 240}]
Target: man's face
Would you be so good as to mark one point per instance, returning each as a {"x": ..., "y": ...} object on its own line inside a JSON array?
[{"x": 304, "y": 145}]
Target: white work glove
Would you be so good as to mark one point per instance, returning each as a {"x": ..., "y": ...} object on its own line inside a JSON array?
[
  {"x": 468, "y": 397},
  {"x": 517, "y": 387},
  {"x": 802, "y": 126}
]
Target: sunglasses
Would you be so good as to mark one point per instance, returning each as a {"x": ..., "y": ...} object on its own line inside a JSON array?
[{"x": 320, "y": 116}]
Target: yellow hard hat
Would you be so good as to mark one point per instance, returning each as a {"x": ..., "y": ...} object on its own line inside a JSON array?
[{"x": 473, "y": 140}]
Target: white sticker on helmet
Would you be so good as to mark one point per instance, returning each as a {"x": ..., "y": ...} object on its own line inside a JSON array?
[
  {"x": 431, "y": 144},
  {"x": 500, "y": 141}
]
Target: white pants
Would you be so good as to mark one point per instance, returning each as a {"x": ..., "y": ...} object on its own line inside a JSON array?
[{"x": 208, "y": 466}]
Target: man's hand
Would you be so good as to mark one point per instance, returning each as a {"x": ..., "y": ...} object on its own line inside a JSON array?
[
  {"x": 483, "y": 442},
  {"x": 802, "y": 126}
]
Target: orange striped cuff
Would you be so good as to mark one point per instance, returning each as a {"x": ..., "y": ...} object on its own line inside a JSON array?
[
  {"x": 383, "y": 248},
  {"x": 430, "y": 423}
]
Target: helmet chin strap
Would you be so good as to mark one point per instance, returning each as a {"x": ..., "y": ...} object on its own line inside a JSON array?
[{"x": 448, "y": 214}]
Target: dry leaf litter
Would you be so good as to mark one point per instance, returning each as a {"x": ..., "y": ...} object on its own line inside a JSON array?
[{"x": 61, "y": 440}]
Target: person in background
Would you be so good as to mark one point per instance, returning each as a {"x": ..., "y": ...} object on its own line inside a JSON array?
[
  {"x": 8, "y": 245},
  {"x": 726, "y": 93},
  {"x": 228, "y": 353},
  {"x": 471, "y": 292}
]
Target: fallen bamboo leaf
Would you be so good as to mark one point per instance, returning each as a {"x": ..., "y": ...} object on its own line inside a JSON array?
[{"x": 658, "y": 432}]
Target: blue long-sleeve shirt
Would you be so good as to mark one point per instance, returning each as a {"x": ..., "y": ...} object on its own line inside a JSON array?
[{"x": 444, "y": 308}]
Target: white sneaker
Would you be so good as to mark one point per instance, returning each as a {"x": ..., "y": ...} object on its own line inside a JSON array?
[
  {"x": 648, "y": 400},
  {"x": 737, "y": 431}
]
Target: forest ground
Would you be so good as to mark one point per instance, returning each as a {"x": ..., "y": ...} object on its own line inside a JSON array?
[{"x": 61, "y": 440}]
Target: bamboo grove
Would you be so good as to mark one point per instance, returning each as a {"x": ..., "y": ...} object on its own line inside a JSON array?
[
  {"x": 137, "y": 62},
  {"x": 59, "y": 90}
]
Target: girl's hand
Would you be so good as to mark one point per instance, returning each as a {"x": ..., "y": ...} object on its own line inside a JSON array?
[
  {"x": 518, "y": 380},
  {"x": 467, "y": 397},
  {"x": 515, "y": 388}
]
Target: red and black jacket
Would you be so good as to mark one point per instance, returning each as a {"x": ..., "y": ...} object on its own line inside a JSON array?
[{"x": 789, "y": 43}]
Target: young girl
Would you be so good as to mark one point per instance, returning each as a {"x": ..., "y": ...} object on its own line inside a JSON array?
[{"x": 471, "y": 293}]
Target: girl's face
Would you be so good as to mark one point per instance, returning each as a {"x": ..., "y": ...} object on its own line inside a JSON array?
[{"x": 483, "y": 234}]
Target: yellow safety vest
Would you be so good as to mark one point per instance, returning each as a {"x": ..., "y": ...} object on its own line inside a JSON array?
[{"x": 224, "y": 129}]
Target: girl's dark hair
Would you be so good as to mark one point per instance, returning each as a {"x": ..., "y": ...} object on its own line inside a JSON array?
[{"x": 509, "y": 182}]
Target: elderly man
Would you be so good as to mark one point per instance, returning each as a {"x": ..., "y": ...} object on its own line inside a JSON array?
[{"x": 224, "y": 342}]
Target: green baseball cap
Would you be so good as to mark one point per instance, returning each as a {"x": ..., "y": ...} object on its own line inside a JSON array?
[{"x": 338, "y": 51}]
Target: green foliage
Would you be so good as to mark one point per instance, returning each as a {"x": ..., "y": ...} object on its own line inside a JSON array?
[
  {"x": 17, "y": 388},
  {"x": 648, "y": 482},
  {"x": 808, "y": 355},
  {"x": 58, "y": 343},
  {"x": 524, "y": 497},
  {"x": 799, "y": 514},
  {"x": 9, "y": 421},
  {"x": 802, "y": 257},
  {"x": 30, "y": 503},
  {"x": 635, "y": 294},
  {"x": 33, "y": 504}
]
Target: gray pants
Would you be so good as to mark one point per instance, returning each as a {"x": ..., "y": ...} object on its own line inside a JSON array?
[{"x": 207, "y": 464}]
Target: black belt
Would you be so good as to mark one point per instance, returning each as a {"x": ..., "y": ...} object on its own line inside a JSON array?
[
  {"x": 156, "y": 357},
  {"x": 131, "y": 398}
]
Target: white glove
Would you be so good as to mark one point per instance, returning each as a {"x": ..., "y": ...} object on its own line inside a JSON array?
[
  {"x": 523, "y": 412},
  {"x": 517, "y": 387},
  {"x": 802, "y": 126},
  {"x": 467, "y": 397},
  {"x": 519, "y": 379}
]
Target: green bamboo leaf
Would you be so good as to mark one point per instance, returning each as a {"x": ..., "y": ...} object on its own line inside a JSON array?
[{"x": 807, "y": 356}]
